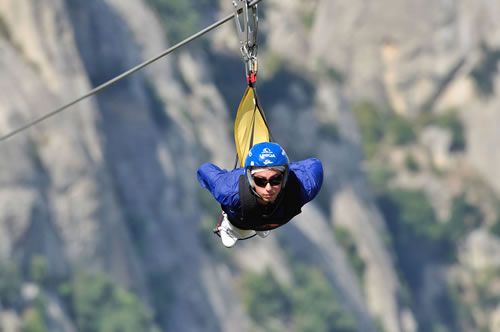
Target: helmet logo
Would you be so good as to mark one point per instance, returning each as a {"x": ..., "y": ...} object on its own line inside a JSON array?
[{"x": 267, "y": 153}]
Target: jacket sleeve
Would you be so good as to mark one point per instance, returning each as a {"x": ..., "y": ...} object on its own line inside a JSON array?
[
  {"x": 222, "y": 184},
  {"x": 310, "y": 174}
]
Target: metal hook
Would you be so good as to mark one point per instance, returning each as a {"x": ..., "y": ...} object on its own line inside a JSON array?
[{"x": 246, "y": 32}]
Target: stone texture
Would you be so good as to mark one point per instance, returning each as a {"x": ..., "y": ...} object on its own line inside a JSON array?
[{"x": 110, "y": 184}]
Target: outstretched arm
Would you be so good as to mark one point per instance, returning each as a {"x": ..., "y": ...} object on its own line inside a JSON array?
[
  {"x": 310, "y": 174},
  {"x": 222, "y": 184}
]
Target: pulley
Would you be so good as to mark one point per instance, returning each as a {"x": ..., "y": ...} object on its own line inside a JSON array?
[{"x": 247, "y": 24}]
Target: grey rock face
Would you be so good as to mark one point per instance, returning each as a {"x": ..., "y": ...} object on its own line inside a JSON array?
[{"x": 110, "y": 184}]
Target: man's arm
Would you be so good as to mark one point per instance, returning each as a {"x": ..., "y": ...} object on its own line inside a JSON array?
[
  {"x": 310, "y": 174},
  {"x": 222, "y": 184}
]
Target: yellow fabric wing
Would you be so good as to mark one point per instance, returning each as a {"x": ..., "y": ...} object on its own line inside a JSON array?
[{"x": 249, "y": 126}]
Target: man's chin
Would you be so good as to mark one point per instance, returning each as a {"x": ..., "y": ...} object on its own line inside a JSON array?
[{"x": 267, "y": 200}]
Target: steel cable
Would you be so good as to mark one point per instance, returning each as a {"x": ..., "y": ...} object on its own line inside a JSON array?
[{"x": 123, "y": 75}]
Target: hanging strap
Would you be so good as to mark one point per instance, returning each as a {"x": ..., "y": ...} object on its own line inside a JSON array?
[
  {"x": 258, "y": 107},
  {"x": 250, "y": 126}
]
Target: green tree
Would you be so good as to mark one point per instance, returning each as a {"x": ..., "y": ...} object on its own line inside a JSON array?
[
  {"x": 450, "y": 120},
  {"x": 38, "y": 269},
  {"x": 415, "y": 230},
  {"x": 264, "y": 297},
  {"x": 316, "y": 307},
  {"x": 310, "y": 304},
  {"x": 182, "y": 18},
  {"x": 464, "y": 218},
  {"x": 371, "y": 126},
  {"x": 485, "y": 71},
  {"x": 411, "y": 163},
  {"x": 344, "y": 237},
  {"x": 100, "y": 306},
  {"x": 10, "y": 283},
  {"x": 33, "y": 320},
  {"x": 400, "y": 129},
  {"x": 414, "y": 213}
]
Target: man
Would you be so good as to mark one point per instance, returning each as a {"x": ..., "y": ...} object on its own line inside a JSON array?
[{"x": 267, "y": 193}]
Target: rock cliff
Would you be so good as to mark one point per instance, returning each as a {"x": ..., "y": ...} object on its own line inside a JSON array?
[{"x": 109, "y": 186}]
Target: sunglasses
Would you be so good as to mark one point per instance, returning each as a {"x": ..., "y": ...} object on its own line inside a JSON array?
[{"x": 274, "y": 181}]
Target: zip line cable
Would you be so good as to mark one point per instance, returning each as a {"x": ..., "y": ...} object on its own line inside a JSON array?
[{"x": 123, "y": 75}]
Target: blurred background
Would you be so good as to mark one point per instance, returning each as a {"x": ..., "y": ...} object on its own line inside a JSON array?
[{"x": 104, "y": 226}]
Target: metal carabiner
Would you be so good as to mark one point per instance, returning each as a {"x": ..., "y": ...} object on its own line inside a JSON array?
[{"x": 246, "y": 32}]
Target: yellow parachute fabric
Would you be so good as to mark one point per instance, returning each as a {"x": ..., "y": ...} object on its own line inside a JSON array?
[{"x": 250, "y": 125}]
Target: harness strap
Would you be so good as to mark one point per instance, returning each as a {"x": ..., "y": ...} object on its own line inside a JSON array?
[{"x": 288, "y": 206}]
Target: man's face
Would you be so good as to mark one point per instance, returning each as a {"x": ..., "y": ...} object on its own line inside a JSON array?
[{"x": 268, "y": 185}]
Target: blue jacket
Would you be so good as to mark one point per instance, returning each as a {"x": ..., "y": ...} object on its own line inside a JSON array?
[{"x": 223, "y": 184}]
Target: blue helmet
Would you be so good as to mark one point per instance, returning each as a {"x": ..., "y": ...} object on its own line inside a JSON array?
[{"x": 266, "y": 155}]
